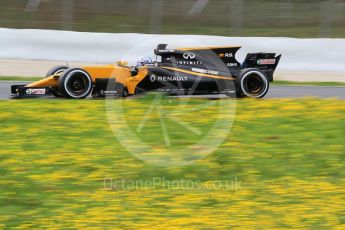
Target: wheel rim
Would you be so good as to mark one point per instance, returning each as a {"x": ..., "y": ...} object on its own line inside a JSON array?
[
  {"x": 78, "y": 84},
  {"x": 254, "y": 84}
]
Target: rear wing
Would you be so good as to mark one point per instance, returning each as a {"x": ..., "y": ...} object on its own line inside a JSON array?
[{"x": 266, "y": 62}]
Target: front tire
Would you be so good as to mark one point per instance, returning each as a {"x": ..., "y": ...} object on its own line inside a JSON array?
[{"x": 75, "y": 83}]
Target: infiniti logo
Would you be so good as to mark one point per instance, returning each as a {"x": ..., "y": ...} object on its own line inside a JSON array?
[{"x": 188, "y": 55}]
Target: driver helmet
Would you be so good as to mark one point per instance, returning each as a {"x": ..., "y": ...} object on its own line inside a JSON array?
[{"x": 144, "y": 61}]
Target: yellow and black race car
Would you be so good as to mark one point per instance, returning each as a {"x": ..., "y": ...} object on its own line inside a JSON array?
[{"x": 207, "y": 70}]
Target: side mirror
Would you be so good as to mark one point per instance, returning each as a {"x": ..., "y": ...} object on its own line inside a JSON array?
[{"x": 134, "y": 71}]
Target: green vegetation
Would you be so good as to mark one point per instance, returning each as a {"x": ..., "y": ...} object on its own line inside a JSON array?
[
  {"x": 308, "y": 83},
  {"x": 288, "y": 155},
  {"x": 228, "y": 18},
  {"x": 17, "y": 78}
]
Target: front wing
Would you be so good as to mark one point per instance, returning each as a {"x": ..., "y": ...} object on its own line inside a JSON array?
[{"x": 22, "y": 91}]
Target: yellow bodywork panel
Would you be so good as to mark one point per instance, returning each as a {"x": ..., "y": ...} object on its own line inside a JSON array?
[
  {"x": 122, "y": 74},
  {"x": 51, "y": 81},
  {"x": 107, "y": 71},
  {"x": 132, "y": 82}
]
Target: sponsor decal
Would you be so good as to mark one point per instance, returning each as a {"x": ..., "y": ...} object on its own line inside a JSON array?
[
  {"x": 154, "y": 78},
  {"x": 171, "y": 78},
  {"x": 221, "y": 55},
  {"x": 266, "y": 61},
  {"x": 188, "y": 55},
  {"x": 189, "y": 62},
  {"x": 231, "y": 64},
  {"x": 205, "y": 71},
  {"x": 109, "y": 91},
  {"x": 229, "y": 55},
  {"x": 166, "y": 51},
  {"x": 35, "y": 91}
]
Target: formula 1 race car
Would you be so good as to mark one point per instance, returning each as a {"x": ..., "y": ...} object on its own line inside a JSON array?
[{"x": 207, "y": 70}]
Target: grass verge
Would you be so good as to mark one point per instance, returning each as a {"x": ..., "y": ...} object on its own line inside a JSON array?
[
  {"x": 17, "y": 78},
  {"x": 308, "y": 83},
  {"x": 286, "y": 157}
]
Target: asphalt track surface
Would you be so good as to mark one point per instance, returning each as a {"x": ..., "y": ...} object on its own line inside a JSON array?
[{"x": 274, "y": 91}]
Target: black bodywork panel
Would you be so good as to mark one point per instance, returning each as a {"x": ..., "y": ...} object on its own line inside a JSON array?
[{"x": 203, "y": 70}]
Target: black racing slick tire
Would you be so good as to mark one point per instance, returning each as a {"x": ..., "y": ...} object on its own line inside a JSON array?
[
  {"x": 56, "y": 70},
  {"x": 75, "y": 83},
  {"x": 139, "y": 91},
  {"x": 252, "y": 83}
]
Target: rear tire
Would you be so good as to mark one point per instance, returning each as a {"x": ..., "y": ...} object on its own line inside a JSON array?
[
  {"x": 56, "y": 70},
  {"x": 125, "y": 92},
  {"x": 252, "y": 83},
  {"x": 139, "y": 91},
  {"x": 75, "y": 83}
]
